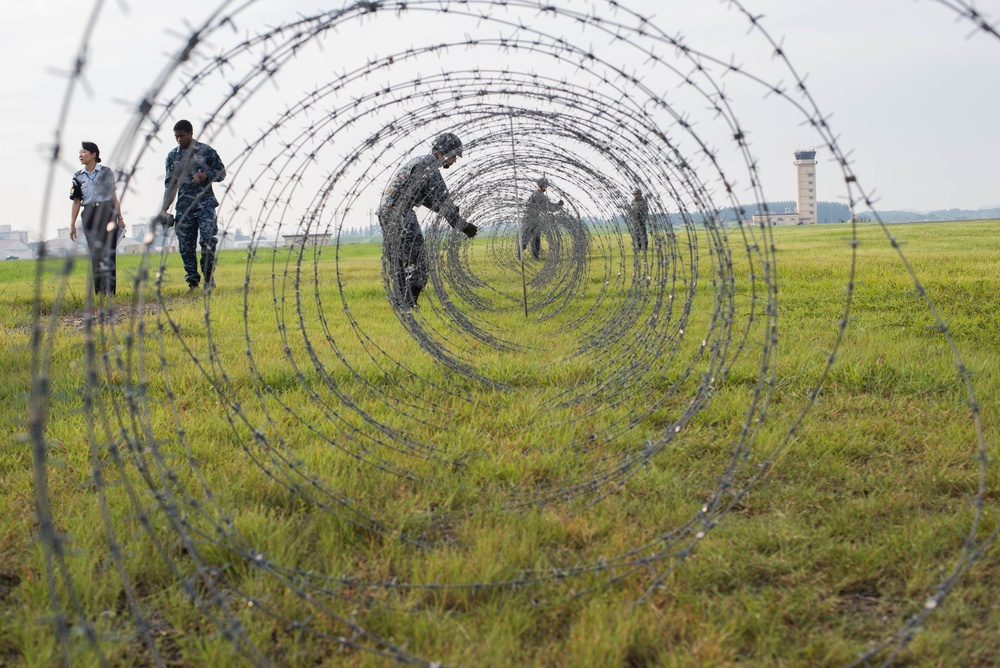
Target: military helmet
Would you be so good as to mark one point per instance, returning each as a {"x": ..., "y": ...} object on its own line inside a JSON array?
[
  {"x": 637, "y": 191},
  {"x": 542, "y": 182},
  {"x": 447, "y": 143}
]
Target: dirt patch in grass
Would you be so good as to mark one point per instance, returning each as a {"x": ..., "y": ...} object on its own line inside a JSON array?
[
  {"x": 113, "y": 317},
  {"x": 864, "y": 599},
  {"x": 8, "y": 583}
]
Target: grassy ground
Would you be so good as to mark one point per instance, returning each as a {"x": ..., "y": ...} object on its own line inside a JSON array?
[{"x": 265, "y": 411}]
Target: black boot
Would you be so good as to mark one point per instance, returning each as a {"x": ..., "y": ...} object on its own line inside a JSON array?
[{"x": 411, "y": 297}]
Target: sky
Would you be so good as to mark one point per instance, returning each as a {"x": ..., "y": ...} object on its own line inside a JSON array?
[{"x": 910, "y": 90}]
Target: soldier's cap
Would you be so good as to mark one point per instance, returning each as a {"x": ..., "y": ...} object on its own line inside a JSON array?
[
  {"x": 542, "y": 182},
  {"x": 446, "y": 143},
  {"x": 637, "y": 191}
]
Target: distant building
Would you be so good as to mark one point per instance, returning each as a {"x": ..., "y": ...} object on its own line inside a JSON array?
[
  {"x": 151, "y": 233},
  {"x": 13, "y": 249},
  {"x": 264, "y": 243},
  {"x": 138, "y": 230},
  {"x": 805, "y": 168},
  {"x": 7, "y": 234},
  {"x": 776, "y": 219},
  {"x": 129, "y": 246},
  {"x": 61, "y": 248},
  {"x": 307, "y": 239},
  {"x": 805, "y": 196}
]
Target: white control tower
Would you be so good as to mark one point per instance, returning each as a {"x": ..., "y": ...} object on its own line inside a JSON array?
[{"x": 805, "y": 200}]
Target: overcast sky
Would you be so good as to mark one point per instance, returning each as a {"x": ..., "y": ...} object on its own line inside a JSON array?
[{"x": 912, "y": 91}]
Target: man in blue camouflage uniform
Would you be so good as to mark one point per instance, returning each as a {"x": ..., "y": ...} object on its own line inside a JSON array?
[
  {"x": 417, "y": 183},
  {"x": 537, "y": 214},
  {"x": 638, "y": 214},
  {"x": 191, "y": 169}
]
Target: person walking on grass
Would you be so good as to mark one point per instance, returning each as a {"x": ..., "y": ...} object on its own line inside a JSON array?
[
  {"x": 191, "y": 169},
  {"x": 537, "y": 213},
  {"x": 93, "y": 193},
  {"x": 417, "y": 183},
  {"x": 638, "y": 214}
]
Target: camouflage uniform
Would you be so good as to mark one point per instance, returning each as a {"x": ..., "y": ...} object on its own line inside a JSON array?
[
  {"x": 196, "y": 205},
  {"x": 417, "y": 183},
  {"x": 537, "y": 213},
  {"x": 638, "y": 214}
]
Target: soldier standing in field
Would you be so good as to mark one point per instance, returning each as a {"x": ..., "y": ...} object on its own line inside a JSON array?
[
  {"x": 191, "y": 170},
  {"x": 417, "y": 183},
  {"x": 638, "y": 214},
  {"x": 537, "y": 212}
]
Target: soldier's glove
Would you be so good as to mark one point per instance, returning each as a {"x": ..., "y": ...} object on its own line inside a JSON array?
[
  {"x": 165, "y": 219},
  {"x": 470, "y": 230}
]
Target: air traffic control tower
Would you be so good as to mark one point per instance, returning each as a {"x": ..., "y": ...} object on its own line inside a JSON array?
[{"x": 805, "y": 200}]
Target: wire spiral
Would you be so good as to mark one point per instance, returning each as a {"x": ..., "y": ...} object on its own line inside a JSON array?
[{"x": 648, "y": 336}]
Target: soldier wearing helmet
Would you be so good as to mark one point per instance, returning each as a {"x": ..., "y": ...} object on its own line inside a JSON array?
[
  {"x": 537, "y": 214},
  {"x": 417, "y": 183},
  {"x": 638, "y": 214}
]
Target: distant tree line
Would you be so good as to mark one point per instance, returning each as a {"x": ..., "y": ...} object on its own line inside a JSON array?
[
  {"x": 366, "y": 231},
  {"x": 826, "y": 212},
  {"x": 992, "y": 213}
]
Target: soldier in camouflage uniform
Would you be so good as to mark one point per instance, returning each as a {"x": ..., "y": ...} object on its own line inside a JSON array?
[
  {"x": 537, "y": 213},
  {"x": 191, "y": 169},
  {"x": 417, "y": 183},
  {"x": 638, "y": 214}
]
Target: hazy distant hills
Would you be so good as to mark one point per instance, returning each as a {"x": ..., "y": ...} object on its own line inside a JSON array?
[
  {"x": 827, "y": 212},
  {"x": 943, "y": 214},
  {"x": 835, "y": 212}
]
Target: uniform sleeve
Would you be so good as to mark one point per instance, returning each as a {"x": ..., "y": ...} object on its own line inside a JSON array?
[
  {"x": 438, "y": 199},
  {"x": 168, "y": 170},
  {"x": 171, "y": 182},
  {"x": 75, "y": 191},
  {"x": 215, "y": 170}
]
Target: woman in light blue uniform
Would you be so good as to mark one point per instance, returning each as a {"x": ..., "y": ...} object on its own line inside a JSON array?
[{"x": 93, "y": 192}]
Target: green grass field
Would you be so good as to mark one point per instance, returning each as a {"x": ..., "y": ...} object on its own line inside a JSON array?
[{"x": 284, "y": 455}]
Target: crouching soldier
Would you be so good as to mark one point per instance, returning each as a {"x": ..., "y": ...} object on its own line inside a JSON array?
[{"x": 417, "y": 183}]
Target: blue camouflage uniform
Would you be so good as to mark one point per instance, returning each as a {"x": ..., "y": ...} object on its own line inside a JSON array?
[
  {"x": 196, "y": 205},
  {"x": 417, "y": 183},
  {"x": 537, "y": 214},
  {"x": 638, "y": 214}
]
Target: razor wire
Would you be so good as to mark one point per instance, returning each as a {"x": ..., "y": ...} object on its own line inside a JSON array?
[{"x": 668, "y": 325}]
